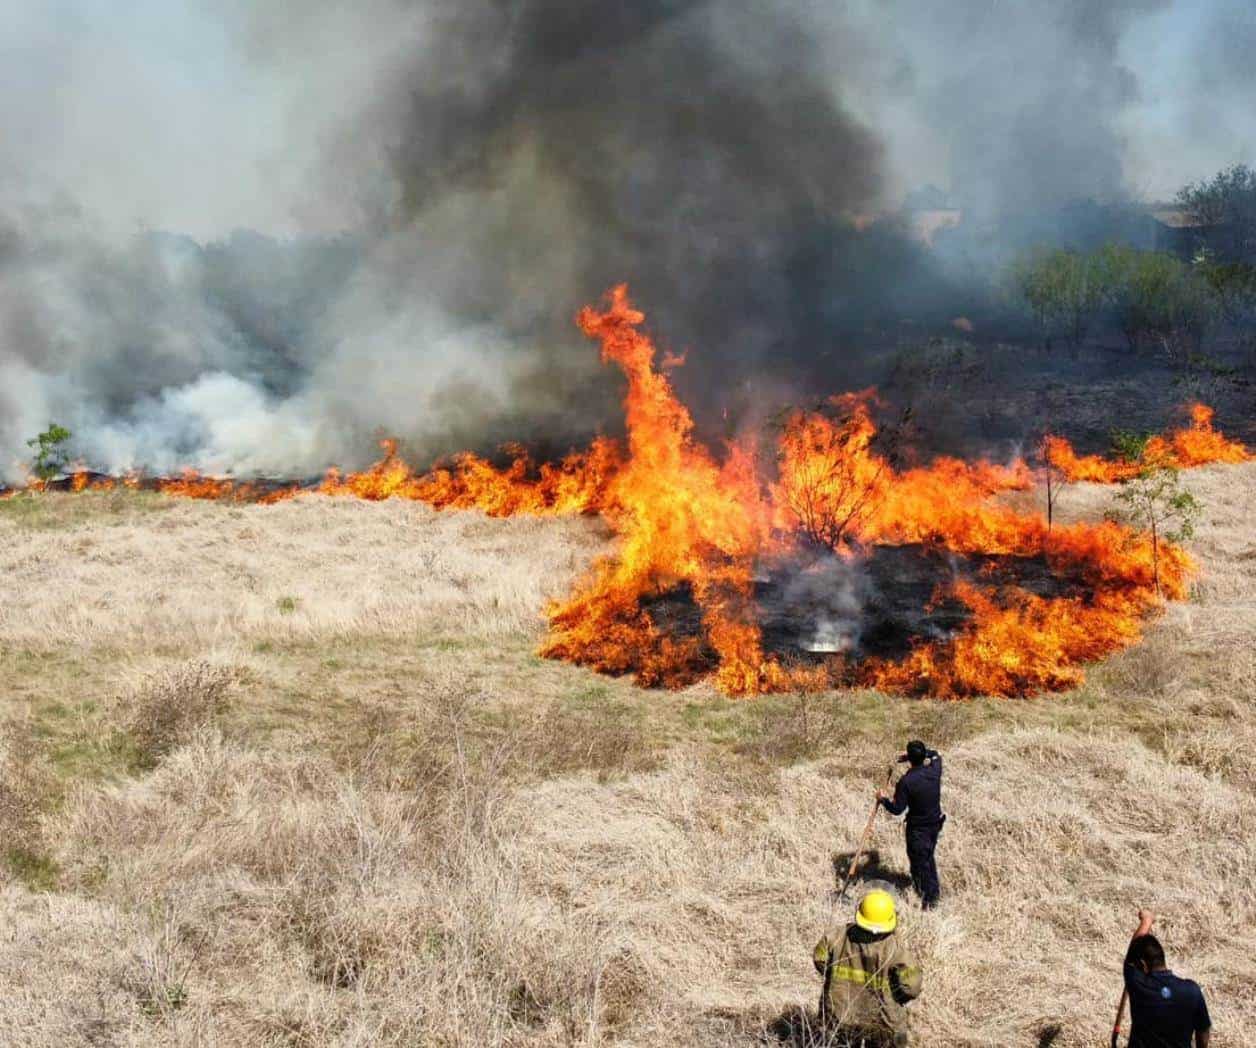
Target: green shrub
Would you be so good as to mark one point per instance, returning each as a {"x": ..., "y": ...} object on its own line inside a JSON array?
[
  {"x": 1063, "y": 289},
  {"x": 1154, "y": 298},
  {"x": 1233, "y": 286},
  {"x": 1226, "y": 202},
  {"x": 51, "y": 454}
]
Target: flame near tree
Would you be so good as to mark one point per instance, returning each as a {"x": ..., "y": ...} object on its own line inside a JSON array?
[
  {"x": 829, "y": 480},
  {"x": 688, "y": 522},
  {"x": 685, "y": 521}
]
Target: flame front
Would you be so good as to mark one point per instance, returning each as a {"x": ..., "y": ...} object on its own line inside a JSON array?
[
  {"x": 691, "y": 523},
  {"x": 685, "y": 521},
  {"x": 1195, "y": 445}
]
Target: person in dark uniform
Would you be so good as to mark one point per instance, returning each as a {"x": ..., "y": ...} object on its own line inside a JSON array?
[
  {"x": 1165, "y": 1011},
  {"x": 919, "y": 793}
]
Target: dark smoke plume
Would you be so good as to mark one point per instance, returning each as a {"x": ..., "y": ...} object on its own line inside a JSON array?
[
  {"x": 695, "y": 151},
  {"x": 438, "y": 187}
]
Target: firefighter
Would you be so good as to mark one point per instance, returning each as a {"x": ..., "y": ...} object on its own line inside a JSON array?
[
  {"x": 1165, "y": 1011},
  {"x": 869, "y": 977},
  {"x": 919, "y": 793}
]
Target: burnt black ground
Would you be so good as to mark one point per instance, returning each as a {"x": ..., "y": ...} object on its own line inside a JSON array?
[{"x": 881, "y": 604}]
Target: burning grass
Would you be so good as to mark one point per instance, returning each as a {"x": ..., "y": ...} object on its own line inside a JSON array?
[
  {"x": 1195, "y": 445},
  {"x": 698, "y": 530}
]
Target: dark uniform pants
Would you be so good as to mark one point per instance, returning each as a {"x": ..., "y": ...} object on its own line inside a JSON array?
[{"x": 921, "y": 841}]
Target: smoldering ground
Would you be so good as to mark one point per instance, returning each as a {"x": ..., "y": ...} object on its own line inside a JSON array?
[{"x": 441, "y": 186}]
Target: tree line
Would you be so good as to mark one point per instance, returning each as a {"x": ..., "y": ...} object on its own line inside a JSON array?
[{"x": 1153, "y": 297}]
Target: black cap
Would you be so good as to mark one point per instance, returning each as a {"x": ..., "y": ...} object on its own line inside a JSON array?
[{"x": 916, "y": 751}]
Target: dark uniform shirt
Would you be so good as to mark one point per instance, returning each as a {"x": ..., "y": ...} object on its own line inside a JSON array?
[
  {"x": 919, "y": 793},
  {"x": 1165, "y": 1011}
]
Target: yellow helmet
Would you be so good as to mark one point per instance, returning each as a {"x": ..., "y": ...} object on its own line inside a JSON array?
[{"x": 876, "y": 912}]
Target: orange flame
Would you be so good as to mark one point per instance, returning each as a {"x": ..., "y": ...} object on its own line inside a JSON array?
[
  {"x": 693, "y": 524},
  {"x": 1195, "y": 445},
  {"x": 684, "y": 521}
]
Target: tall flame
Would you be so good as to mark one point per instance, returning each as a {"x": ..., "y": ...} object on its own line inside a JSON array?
[
  {"x": 683, "y": 521},
  {"x": 686, "y": 522},
  {"x": 691, "y": 523}
]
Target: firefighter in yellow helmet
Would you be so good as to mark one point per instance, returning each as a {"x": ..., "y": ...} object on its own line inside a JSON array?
[{"x": 869, "y": 977}]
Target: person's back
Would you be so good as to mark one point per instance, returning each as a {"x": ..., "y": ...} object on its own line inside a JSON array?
[
  {"x": 919, "y": 791},
  {"x": 869, "y": 976},
  {"x": 1165, "y": 1011},
  {"x": 919, "y": 794}
]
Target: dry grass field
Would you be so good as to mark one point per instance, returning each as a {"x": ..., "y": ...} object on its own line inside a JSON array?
[{"x": 292, "y": 775}]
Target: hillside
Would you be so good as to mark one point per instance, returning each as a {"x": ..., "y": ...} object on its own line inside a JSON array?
[{"x": 293, "y": 775}]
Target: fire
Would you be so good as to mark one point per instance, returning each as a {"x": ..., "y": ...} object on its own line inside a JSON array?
[
  {"x": 701, "y": 530},
  {"x": 1195, "y": 445},
  {"x": 686, "y": 523},
  {"x": 577, "y": 484},
  {"x": 683, "y": 521},
  {"x": 193, "y": 485}
]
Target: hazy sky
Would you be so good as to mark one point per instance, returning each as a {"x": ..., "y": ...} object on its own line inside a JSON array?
[{"x": 204, "y": 116}]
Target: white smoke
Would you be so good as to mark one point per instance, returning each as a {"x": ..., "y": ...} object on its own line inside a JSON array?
[{"x": 435, "y": 188}]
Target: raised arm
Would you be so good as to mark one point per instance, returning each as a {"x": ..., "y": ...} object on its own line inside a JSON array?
[
  {"x": 899, "y": 803},
  {"x": 1130, "y": 970},
  {"x": 1145, "y": 920}
]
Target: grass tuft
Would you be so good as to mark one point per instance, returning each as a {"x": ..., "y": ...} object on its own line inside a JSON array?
[{"x": 170, "y": 706}]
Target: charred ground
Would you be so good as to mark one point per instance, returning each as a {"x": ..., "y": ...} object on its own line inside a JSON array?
[{"x": 881, "y": 603}]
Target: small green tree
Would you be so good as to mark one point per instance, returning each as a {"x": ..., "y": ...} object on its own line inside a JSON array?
[
  {"x": 1156, "y": 298},
  {"x": 1129, "y": 445},
  {"x": 51, "y": 453},
  {"x": 1226, "y": 202},
  {"x": 1234, "y": 286},
  {"x": 1053, "y": 476},
  {"x": 1155, "y": 501},
  {"x": 1063, "y": 290}
]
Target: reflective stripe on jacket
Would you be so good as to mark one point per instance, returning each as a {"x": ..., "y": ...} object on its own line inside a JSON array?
[{"x": 868, "y": 979}]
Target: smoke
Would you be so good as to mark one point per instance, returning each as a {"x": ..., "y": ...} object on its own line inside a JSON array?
[
  {"x": 435, "y": 188},
  {"x": 827, "y": 599},
  {"x": 1022, "y": 99}
]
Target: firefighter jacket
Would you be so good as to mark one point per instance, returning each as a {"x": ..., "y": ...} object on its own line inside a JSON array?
[{"x": 868, "y": 980}]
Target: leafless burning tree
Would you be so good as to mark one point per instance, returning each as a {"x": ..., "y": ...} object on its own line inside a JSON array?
[{"x": 831, "y": 473}]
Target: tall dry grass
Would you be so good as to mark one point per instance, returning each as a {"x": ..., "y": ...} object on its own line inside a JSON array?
[
  {"x": 427, "y": 876},
  {"x": 313, "y": 568},
  {"x": 302, "y": 903}
]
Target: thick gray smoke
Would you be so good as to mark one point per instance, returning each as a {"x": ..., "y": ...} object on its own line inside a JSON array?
[
  {"x": 1023, "y": 100},
  {"x": 435, "y": 188}
]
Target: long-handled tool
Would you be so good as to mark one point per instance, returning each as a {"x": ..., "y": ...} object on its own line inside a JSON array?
[
  {"x": 1145, "y": 921},
  {"x": 863, "y": 841},
  {"x": 1120, "y": 1017}
]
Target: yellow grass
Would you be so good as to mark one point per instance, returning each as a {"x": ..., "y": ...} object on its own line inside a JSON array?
[{"x": 295, "y": 778}]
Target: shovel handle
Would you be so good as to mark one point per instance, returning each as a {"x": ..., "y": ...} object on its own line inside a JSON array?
[
  {"x": 867, "y": 835},
  {"x": 1120, "y": 1017}
]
